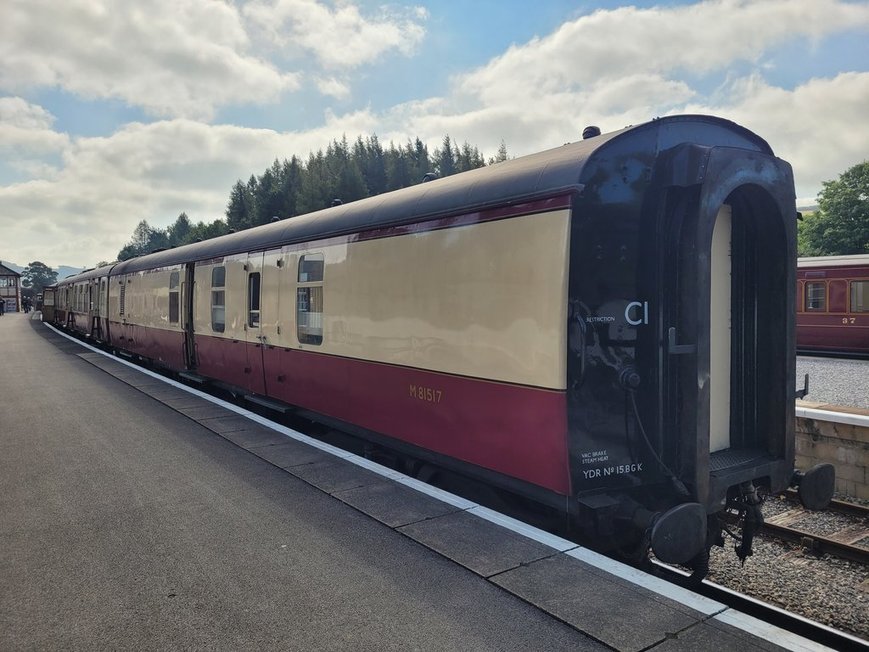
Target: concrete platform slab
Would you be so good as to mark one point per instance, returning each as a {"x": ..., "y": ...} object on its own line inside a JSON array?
[
  {"x": 289, "y": 453},
  {"x": 252, "y": 438},
  {"x": 610, "y": 610},
  {"x": 166, "y": 393},
  {"x": 206, "y": 412},
  {"x": 334, "y": 476},
  {"x": 223, "y": 425},
  {"x": 713, "y": 635},
  {"x": 394, "y": 506},
  {"x": 481, "y": 546}
]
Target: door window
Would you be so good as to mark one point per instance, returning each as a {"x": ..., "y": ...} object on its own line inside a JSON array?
[
  {"x": 253, "y": 300},
  {"x": 218, "y": 299},
  {"x": 174, "y": 297},
  {"x": 309, "y": 299}
]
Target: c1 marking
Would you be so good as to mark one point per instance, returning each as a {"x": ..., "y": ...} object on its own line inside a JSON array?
[{"x": 645, "y": 314}]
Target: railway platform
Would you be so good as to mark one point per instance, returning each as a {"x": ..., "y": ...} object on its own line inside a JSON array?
[{"x": 138, "y": 513}]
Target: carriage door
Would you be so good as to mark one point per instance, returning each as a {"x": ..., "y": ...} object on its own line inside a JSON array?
[
  {"x": 187, "y": 280},
  {"x": 253, "y": 323},
  {"x": 103, "y": 309},
  {"x": 276, "y": 302}
]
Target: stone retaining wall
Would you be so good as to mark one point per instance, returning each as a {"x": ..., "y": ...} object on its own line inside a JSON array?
[{"x": 842, "y": 439}]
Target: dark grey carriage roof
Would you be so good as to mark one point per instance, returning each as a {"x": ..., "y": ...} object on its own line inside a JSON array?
[
  {"x": 536, "y": 176},
  {"x": 86, "y": 275}
]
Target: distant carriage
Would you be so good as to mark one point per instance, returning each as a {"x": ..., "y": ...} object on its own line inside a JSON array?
[{"x": 833, "y": 305}]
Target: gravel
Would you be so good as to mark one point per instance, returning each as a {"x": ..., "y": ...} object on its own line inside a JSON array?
[
  {"x": 835, "y": 381},
  {"x": 827, "y": 590},
  {"x": 823, "y": 588}
]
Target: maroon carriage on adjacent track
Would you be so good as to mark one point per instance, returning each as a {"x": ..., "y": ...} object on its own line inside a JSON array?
[{"x": 833, "y": 305}]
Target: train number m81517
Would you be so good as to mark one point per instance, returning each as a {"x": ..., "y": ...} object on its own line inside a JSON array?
[{"x": 427, "y": 394}]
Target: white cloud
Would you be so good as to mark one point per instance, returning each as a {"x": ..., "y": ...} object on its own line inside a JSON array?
[
  {"x": 27, "y": 138},
  {"x": 339, "y": 36},
  {"x": 333, "y": 88},
  {"x": 88, "y": 211},
  {"x": 819, "y": 127},
  {"x": 27, "y": 126},
  {"x": 626, "y": 66},
  {"x": 172, "y": 57},
  {"x": 693, "y": 39}
]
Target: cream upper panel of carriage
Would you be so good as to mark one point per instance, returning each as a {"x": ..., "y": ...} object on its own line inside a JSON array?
[
  {"x": 485, "y": 300},
  {"x": 220, "y": 298},
  {"x": 150, "y": 298}
]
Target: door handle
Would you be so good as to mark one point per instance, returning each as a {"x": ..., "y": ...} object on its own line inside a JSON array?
[{"x": 678, "y": 349}]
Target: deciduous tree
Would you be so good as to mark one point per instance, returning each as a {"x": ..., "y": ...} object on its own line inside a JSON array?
[
  {"x": 37, "y": 275},
  {"x": 841, "y": 225}
]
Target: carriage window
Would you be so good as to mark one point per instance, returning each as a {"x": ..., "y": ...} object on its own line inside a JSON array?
[
  {"x": 253, "y": 300},
  {"x": 102, "y": 298},
  {"x": 174, "y": 298},
  {"x": 816, "y": 297},
  {"x": 218, "y": 298},
  {"x": 309, "y": 299},
  {"x": 859, "y": 296},
  {"x": 311, "y": 269}
]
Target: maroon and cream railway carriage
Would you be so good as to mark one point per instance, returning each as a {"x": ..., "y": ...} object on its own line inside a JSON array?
[
  {"x": 47, "y": 303},
  {"x": 604, "y": 328},
  {"x": 81, "y": 302},
  {"x": 833, "y": 305}
]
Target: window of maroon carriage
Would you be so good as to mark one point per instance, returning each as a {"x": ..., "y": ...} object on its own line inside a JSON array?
[
  {"x": 218, "y": 299},
  {"x": 174, "y": 298},
  {"x": 253, "y": 299},
  {"x": 859, "y": 296},
  {"x": 309, "y": 299},
  {"x": 816, "y": 296}
]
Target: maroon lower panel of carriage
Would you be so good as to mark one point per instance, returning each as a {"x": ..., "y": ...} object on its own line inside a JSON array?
[
  {"x": 162, "y": 346},
  {"x": 520, "y": 432},
  {"x": 833, "y": 333}
]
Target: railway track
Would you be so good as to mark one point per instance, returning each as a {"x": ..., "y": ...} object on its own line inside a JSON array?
[{"x": 841, "y": 543}]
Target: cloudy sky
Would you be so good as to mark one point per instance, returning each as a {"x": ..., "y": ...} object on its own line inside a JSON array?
[{"x": 114, "y": 111}]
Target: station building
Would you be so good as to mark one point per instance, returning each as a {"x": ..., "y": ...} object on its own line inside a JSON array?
[{"x": 10, "y": 288}]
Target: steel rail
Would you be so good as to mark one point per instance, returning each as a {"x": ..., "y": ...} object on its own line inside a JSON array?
[
  {"x": 818, "y": 543},
  {"x": 844, "y": 507}
]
